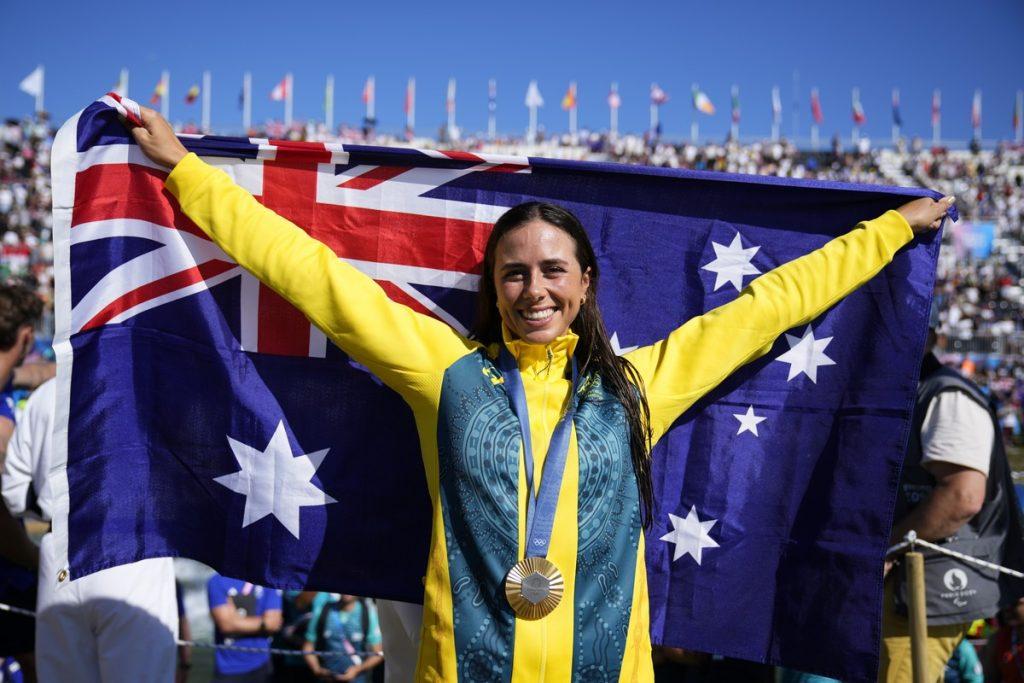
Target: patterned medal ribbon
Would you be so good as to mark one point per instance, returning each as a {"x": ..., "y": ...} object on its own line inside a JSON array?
[{"x": 534, "y": 586}]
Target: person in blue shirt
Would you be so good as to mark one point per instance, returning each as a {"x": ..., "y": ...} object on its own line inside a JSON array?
[
  {"x": 347, "y": 627},
  {"x": 245, "y": 615}
]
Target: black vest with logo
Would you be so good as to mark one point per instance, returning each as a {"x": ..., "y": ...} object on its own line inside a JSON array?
[{"x": 957, "y": 591}]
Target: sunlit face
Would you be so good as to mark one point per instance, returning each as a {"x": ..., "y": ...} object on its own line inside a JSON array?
[{"x": 538, "y": 281}]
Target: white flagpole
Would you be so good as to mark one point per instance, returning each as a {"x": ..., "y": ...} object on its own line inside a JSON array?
[
  {"x": 776, "y": 112},
  {"x": 371, "y": 108},
  {"x": 896, "y": 108},
  {"x": 165, "y": 101},
  {"x": 937, "y": 119},
  {"x": 329, "y": 104},
  {"x": 206, "y": 101},
  {"x": 288, "y": 101},
  {"x": 492, "y": 106},
  {"x": 124, "y": 82},
  {"x": 42, "y": 86},
  {"x": 246, "y": 101},
  {"x": 1019, "y": 131},
  {"x": 614, "y": 114},
  {"x": 450, "y": 106},
  {"x": 410, "y": 116},
  {"x": 572, "y": 112}
]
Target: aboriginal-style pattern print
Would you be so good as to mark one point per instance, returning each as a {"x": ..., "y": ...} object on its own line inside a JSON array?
[{"x": 479, "y": 445}]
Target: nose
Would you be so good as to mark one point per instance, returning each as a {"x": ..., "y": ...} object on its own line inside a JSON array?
[{"x": 534, "y": 289}]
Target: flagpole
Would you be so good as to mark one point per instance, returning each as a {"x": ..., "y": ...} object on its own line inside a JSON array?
[
  {"x": 614, "y": 114},
  {"x": 572, "y": 112},
  {"x": 246, "y": 101},
  {"x": 1019, "y": 128},
  {"x": 288, "y": 101},
  {"x": 936, "y": 117},
  {"x": 492, "y": 106},
  {"x": 532, "y": 135},
  {"x": 977, "y": 105},
  {"x": 329, "y": 104},
  {"x": 855, "y": 136},
  {"x": 165, "y": 102},
  {"x": 814, "y": 137},
  {"x": 895, "y": 120},
  {"x": 776, "y": 113},
  {"x": 42, "y": 86},
  {"x": 206, "y": 101},
  {"x": 735, "y": 128},
  {"x": 371, "y": 107},
  {"x": 410, "y": 115},
  {"x": 124, "y": 82},
  {"x": 450, "y": 104}
]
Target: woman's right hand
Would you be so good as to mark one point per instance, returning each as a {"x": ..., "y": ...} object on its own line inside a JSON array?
[
  {"x": 157, "y": 140},
  {"x": 926, "y": 213}
]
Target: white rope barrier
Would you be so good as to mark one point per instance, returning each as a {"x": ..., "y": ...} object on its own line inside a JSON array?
[
  {"x": 911, "y": 540},
  {"x": 222, "y": 646}
]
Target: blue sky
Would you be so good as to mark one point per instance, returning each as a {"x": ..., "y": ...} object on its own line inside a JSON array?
[{"x": 913, "y": 45}]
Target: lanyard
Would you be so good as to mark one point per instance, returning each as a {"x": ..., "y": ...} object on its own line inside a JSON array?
[{"x": 540, "y": 509}]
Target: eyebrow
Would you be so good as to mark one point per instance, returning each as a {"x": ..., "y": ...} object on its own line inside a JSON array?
[{"x": 545, "y": 262}]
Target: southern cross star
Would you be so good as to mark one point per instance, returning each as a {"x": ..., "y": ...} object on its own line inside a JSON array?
[
  {"x": 732, "y": 263},
  {"x": 749, "y": 421},
  {"x": 274, "y": 481},
  {"x": 620, "y": 350},
  {"x": 690, "y": 535},
  {"x": 806, "y": 354}
]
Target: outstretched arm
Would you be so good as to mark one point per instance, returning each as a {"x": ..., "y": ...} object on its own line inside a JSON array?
[
  {"x": 402, "y": 347},
  {"x": 700, "y": 354}
]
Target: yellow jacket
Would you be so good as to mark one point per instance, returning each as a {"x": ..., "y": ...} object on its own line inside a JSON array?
[{"x": 471, "y": 446}]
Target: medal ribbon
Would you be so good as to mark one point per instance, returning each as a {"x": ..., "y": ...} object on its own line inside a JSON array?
[{"x": 540, "y": 509}]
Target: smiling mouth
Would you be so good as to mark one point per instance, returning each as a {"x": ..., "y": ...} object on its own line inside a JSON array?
[{"x": 538, "y": 317}]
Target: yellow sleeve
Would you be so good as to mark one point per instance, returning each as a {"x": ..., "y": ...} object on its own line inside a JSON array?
[
  {"x": 698, "y": 355},
  {"x": 397, "y": 344}
]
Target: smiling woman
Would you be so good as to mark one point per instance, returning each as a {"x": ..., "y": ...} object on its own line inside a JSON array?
[{"x": 535, "y": 436}]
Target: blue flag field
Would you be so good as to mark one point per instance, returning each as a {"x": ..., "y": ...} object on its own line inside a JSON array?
[{"x": 185, "y": 385}]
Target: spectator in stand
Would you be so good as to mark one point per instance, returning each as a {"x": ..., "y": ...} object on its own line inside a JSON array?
[
  {"x": 245, "y": 615},
  {"x": 346, "y": 626}
]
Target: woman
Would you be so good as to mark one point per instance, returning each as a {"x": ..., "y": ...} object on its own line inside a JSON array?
[{"x": 533, "y": 433}]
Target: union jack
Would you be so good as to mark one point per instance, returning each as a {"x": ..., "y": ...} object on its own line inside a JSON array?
[{"x": 342, "y": 194}]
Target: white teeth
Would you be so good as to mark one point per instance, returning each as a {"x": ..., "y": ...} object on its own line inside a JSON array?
[{"x": 538, "y": 315}]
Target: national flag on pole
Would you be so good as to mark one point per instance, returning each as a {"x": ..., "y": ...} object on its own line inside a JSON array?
[
  {"x": 897, "y": 118},
  {"x": 159, "y": 91},
  {"x": 857, "y": 110},
  {"x": 614, "y": 100},
  {"x": 369, "y": 90},
  {"x": 936, "y": 107},
  {"x": 193, "y": 94},
  {"x": 173, "y": 360},
  {"x": 976, "y": 110},
  {"x": 658, "y": 96},
  {"x": 449, "y": 98},
  {"x": 533, "y": 96},
  {"x": 33, "y": 83},
  {"x": 569, "y": 99},
  {"x": 816, "y": 112},
  {"x": 776, "y": 105},
  {"x": 701, "y": 102},
  {"x": 280, "y": 91},
  {"x": 735, "y": 104}
]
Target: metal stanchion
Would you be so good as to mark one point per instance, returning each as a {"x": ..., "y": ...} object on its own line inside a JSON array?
[{"x": 918, "y": 616}]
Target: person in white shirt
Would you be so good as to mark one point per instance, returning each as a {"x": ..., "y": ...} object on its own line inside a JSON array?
[{"x": 118, "y": 624}]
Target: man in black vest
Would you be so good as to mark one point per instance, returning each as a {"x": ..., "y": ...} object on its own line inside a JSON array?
[{"x": 955, "y": 490}]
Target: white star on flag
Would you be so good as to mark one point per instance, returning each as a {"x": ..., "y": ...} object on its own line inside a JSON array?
[
  {"x": 732, "y": 263},
  {"x": 274, "y": 481},
  {"x": 806, "y": 354},
  {"x": 749, "y": 421},
  {"x": 690, "y": 535},
  {"x": 620, "y": 350}
]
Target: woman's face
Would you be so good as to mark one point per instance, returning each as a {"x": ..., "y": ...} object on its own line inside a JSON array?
[{"x": 538, "y": 281}]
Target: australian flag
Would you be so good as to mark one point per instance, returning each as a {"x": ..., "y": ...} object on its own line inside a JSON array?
[{"x": 186, "y": 385}]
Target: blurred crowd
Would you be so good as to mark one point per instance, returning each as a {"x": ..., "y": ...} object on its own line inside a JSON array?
[{"x": 979, "y": 289}]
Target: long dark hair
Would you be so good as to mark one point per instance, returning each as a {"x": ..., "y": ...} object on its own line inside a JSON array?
[{"x": 594, "y": 351}]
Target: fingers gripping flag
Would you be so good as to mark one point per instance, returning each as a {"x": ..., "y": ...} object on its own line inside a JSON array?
[{"x": 201, "y": 415}]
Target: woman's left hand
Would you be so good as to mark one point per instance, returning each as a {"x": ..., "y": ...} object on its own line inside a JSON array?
[{"x": 926, "y": 213}]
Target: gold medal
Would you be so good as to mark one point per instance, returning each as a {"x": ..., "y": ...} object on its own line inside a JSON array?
[{"x": 534, "y": 587}]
